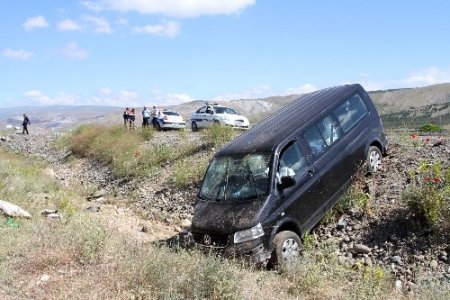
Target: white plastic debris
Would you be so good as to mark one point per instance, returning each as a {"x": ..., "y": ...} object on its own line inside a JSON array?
[{"x": 13, "y": 210}]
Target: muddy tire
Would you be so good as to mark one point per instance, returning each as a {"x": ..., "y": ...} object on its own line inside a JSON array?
[
  {"x": 194, "y": 126},
  {"x": 287, "y": 251},
  {"x": 373, "y": 159}
]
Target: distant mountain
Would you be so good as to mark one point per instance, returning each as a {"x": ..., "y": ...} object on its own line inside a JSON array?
[
  {"x": 397, "y": 107},
  {"x": 55, "y": 116}
]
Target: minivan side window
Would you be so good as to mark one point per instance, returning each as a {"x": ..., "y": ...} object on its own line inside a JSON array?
[
  {"x": 292, "y": 162},
  {"x": 329, "y": 130},
  {"x": 315, "y": 141},
  {"x": 350, "y": 112}
]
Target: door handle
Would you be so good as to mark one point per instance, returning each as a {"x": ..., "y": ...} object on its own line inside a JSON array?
[{"x": 311, "y": 173}]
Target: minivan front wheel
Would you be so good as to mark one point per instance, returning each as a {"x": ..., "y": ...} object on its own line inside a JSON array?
[
  {"x": 373, "y": 159},
  {"x": 288, "y": 248}
]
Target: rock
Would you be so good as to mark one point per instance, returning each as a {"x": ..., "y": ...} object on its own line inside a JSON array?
[
  {"x": 397, "y": 260},
  {"x": 44, "y": 278},
  {"x": 341, "y": 224},
  {"x": 94, "y": 208},
  {"x": 361, "y": 249},
  {"x": 96, "y": 195},
  {"x": 13, "y": 210},
  {"x": 433, "y": 264},
  {"x": 398, "y": 285},
  {"x": 48, "y": 211},
  {"x": 186, "y": 223}
]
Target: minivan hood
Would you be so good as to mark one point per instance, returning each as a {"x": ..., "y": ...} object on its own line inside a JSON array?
[{"x": 225, "y": 217}]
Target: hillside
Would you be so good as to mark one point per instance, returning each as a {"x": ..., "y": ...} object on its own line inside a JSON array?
[{"x": 397, "y": 107}]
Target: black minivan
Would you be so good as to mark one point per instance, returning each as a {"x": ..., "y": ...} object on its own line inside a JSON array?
[{"x": 263, "y": 191}]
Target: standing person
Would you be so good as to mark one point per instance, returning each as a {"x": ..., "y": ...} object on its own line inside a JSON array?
[
  {"x": 132, "y": 118},
  {"x": 126, "y": 112},
  {"x": 155, "y": 115},
  {"x": 145, "y": 117},
  {"x": 25, "y": 124}
]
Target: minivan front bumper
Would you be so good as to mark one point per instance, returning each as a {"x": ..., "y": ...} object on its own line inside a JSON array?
[{"x": 254, "y": 251}]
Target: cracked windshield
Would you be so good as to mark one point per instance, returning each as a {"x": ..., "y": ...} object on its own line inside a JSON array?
[{"x": 236, "y": 178}]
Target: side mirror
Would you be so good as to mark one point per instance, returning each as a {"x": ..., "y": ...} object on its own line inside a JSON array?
[{"x": 286, "y": 182}]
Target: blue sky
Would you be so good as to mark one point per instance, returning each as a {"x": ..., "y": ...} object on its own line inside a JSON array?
[{"x": 135, "y": 52}]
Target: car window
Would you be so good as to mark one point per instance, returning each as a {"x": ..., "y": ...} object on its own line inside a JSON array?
[
  {"x": 292, "y": 162},
  {"x": 350, "y": 112},
  {"x": 201, "y": 110},
  {"x": 224, "y": 110},
  {"x": 329, "y": 130},
  {"x": 315, "y": 141},
  {"x": 170, "y": 113}
]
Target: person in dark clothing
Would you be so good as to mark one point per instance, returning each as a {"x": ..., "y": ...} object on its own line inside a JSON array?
[
  {"x": 25, "y": 124},
  {"x": 126, "y": 113}
]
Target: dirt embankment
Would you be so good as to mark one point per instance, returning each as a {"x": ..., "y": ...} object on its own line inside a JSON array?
[{"x": 385, "y": 233}]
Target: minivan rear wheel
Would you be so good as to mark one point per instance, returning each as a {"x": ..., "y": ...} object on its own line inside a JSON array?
[
  {"x": 287, "y": 250},
  {"x": 373, "y": 159}
]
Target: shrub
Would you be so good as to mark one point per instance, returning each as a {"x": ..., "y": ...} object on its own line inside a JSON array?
[
  {"x": 428, "y": 196},
  {"x": 122, "y": 149},
  {"x": 188, "y": 172},
  {"x": 217, "y": 135},
  {"x": 430, "y": 127}
]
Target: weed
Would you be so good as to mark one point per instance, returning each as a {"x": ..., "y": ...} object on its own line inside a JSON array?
[
  {"x": 217, "y": 135},
  {"x": 428, "y": 194},
  {"x": 431, "y": 127},
  {"x": 188, "y": 172}
]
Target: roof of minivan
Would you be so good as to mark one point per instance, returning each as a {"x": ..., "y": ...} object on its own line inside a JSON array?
[{"x": 266, "y": 135}]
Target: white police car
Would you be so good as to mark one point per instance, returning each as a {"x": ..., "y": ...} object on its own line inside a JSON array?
[
  {"x": 208, "y": 115},
  {"x": 169, "y": 120}
]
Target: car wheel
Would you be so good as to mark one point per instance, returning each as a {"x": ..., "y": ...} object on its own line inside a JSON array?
[
  {"x": 287, "y": 250},
  {"x": 194, "y": 126},
  {"x": 373, "y": 159}
]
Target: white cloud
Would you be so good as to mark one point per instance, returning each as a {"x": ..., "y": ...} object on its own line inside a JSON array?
[
  {"x": 122, "y": 21},
  {"x": 74, "y": 52},
  {"x": 306, "y": 88},
  {"x": 17, "y": 54},
  {"x": 428, "y": 76},
  {"x": 39, "y": 98},
  {"x": 417, "y": 78},
  {"x": 68, "y": 25},
  {"x": 160, "y": 97},
  {"x": 98, "y": 24},
  {"x": 35, "y": 22},
  {"x": 173, "y": 8},
  {"x": 169, "y": 29},
  {"x": 250, "y": 93}
]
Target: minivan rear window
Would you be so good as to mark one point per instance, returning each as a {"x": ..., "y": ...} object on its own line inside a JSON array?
[{"x": 350, "y": 112}]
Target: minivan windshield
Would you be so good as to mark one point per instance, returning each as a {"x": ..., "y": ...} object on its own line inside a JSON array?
[{"x": 236, "y": 178}]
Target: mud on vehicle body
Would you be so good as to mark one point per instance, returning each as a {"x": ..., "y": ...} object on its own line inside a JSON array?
[{"x": 274, "y": 183}]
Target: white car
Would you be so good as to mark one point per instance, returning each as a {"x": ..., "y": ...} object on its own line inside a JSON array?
[
  {"x": 169, "y": 120},
  {"x": 217, "y": 114}
]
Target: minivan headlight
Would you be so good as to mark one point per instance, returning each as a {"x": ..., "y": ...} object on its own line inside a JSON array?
[{"x": 248, "y": 234}]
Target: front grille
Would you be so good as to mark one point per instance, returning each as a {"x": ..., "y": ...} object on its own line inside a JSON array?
[{"x": 210, "y": 239}]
